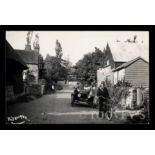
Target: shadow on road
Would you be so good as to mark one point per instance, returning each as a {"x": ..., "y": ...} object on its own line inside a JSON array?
[{"x": 81, "y": 105}]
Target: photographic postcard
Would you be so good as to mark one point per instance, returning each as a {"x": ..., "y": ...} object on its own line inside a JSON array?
[{"x": 77, "y": 77}]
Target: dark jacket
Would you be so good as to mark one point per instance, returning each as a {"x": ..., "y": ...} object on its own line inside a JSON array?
[{"x": 103, "y": 92}]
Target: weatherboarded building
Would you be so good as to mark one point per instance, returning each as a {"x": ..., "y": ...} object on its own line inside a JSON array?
[
  {"x": 119, "y": 54},
  {"x": 135, "y": 72}
]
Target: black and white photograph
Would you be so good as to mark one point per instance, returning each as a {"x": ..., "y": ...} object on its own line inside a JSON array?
[{"x": 77, "y": 77}]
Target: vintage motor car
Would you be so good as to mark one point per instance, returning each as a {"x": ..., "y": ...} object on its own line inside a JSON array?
[{"x": 82, "y": 97}]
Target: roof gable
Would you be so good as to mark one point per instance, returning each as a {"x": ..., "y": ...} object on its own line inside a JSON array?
[
  {"x": 10, "y": 53},
  {"x": 125, "y": 52},
  {"x": 129, "y": 63},
  {"x": 29, "y": 57}
]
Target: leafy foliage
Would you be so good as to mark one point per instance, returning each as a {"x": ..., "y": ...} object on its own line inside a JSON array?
[
  {"x": 87, "y": 67},
  {"x": 58, "y": 50},
  {"x": 52, "y": 68},
  {"x": 30, "y": 78},
  {"x": 56, "y": 70}
]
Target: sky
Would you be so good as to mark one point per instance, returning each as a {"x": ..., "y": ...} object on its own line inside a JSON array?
[{"x": 74, "y": 43}]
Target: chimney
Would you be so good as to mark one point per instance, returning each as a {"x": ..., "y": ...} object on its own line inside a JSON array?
[
  {"x": 28, "y": 41},
  {"x": 37, "y": 48},
  {"x": 36, "y": 45},
  {"x": 28, "y": 48}
]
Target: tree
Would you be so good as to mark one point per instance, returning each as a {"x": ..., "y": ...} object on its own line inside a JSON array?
[
  {"x": 86, "y": 68},
  {"x": 58, "y": 50},
  {"x": 58, "y": 60},
  {"x": 51, "y": 68},
  {"x": 66, "y": 68},
  {"x": 55, "y": 67},
  {"x": 54, "y": 70}
]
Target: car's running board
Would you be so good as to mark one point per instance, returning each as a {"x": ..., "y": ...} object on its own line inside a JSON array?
[{"x": 82, "y": 102}]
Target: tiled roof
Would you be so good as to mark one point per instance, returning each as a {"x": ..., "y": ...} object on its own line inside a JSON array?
[
  {"x": 129, "y": 63},
  {"x": 29, "y": 57},
  {"x": 124, "y": 52},
  {"x": 10, "y": 53}
]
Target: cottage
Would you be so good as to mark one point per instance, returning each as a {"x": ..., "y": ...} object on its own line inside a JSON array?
[
  {"x": 30, "y": 58},
  {"x": 116, "y": 54},
  {"x": 135, "y": 72},
  {"x": 14, "y": 68}
]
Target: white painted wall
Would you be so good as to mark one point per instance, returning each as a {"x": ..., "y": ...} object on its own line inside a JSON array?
[
  {"x": 100, "y": 76},
  {"x": 102, "y": 73},
  {"x": 119, "y": 75},
  {"x": 115, "y": 77}
]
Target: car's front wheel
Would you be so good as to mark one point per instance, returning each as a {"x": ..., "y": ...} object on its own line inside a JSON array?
[{"x": 72, "y": 100}]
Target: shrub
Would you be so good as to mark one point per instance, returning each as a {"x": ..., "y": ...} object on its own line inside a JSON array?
[
  {"x": 118, "y": 91},
  {"x": 30, "y": 78},
  {"x": 34, "y": 90}
]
